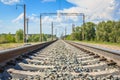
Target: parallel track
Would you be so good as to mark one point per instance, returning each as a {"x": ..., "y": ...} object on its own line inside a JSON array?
[
  {"x": 108, "y": 54},
  {"x": 11, "y": 54},
  {"x": 63, "y": 61}
]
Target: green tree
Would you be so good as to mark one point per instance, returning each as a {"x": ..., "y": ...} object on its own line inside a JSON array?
[
  {"x": 108, "y": 31},
  {"x": 85, "y": 32},
  {"x": 19, "y": 36},
  {"x": 3, "y": 38},
  {"x": 44, "y": 37},
  {"x": 34, "y": 38},
  {"x": 68, "y": 37},
  {"x": 10, "y": 38},
  {"x": 100, "y": 33},
  {"x": 77, "y": 33}
]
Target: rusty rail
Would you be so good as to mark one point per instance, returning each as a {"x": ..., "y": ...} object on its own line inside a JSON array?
[
  {"x": 109, "y": 55},
  {"x": 8, "y": 55},
  {"x": 109, "y": 51}
]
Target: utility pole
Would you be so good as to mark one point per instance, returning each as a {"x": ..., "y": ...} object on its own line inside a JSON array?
[
  {"x": 24, "y": 34},
  {"x": 73, "y": 26},
  {"x": 24, "y": 23},
  {"x": 40, "y": 28},
  {"x": 84, "y": 19},
  {"x": 27, "y": 20},
  {"x": 52, "y": 30},
  {"x": 62, "y": 35},
  {"x": 83, "y": 34},
  {"x": 65, "y": 32},
  {"x": 56, "y": 33}
]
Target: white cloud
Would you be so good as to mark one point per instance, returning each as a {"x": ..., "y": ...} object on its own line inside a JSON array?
[
  {"x": 18, "y": 19},
  {"x": 93, "y": 9},
  {"x": 46, "y": 19},
  {"x": 59, "y": 19},
  {"x": 34, "y": 21},
  {"x": 9, "y": 2},
  {"x": 48, "y": 0},
  {"x": 34, "y": 18}
]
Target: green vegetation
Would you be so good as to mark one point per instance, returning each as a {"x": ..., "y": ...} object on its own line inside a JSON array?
[
  {"x": 18, "y": 37},
  {"x": 102, "y": 43},
  {"x": 7, "y": 38},
  {"x": 108, "y": 31},
  {"x": 9, "y": 45},
  {"x": 36, "y": 38}
]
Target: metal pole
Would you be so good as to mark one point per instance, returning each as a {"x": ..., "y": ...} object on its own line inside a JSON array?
[
  {"x": 27, "y": 20},
  {"x": 56, "y": 32},
  {"x": 24, "y": 23},
  {"x": 40, "y": 28},
  {"x": 83, "y": 18},
  {"x": 52, "y": 30},
  {"x": 73, "y": 26},
  {"x": 83, "y": 26},
  {"x": 62, "y": 35},
  {"x": 24, "y": 30},
  {"x": 65, "y": 32}
]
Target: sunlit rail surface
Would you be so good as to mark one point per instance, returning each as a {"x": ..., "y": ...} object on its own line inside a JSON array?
[{"x": 62, "y": 61}]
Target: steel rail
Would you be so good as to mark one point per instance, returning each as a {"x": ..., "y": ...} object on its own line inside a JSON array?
[
  {"x": 11, "y": 54},
  {"x": 109, "y": 51},
  {"x": 108, "y": 54}
]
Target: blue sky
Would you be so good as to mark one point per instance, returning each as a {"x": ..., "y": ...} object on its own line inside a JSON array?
[{"x": 95, "y": 11}]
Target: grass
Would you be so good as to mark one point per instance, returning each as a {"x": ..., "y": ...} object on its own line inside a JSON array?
[
  {"x": 4, "y": 46},
  {"x": 13, "y": 45},
  {"x": 9, "y": 45},
  {"x": 104, "y": 43}
]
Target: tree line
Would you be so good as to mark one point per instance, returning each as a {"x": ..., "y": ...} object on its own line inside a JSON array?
[
  {"x": 18, "y": 37},
  {"x": 105, "y": 31}
]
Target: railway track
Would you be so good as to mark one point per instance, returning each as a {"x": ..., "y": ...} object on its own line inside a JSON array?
[
  {"x": 110, "y": 55},
  {"x": 10, "y": 54},
  {"x": 62, "y": 61}
]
